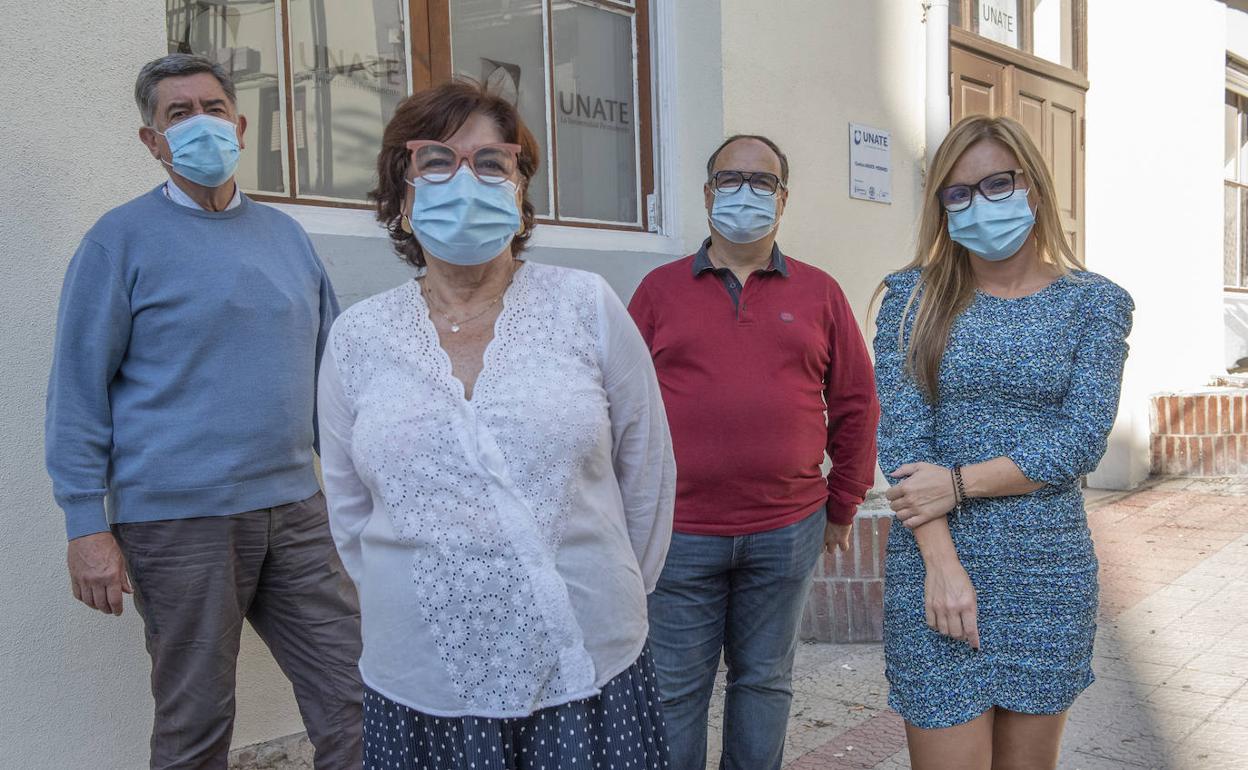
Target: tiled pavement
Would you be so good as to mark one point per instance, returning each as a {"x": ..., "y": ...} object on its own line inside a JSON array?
[{"x": 1171, "y": 655}]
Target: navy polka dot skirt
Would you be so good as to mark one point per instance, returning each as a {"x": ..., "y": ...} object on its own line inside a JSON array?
[{"x": 620, "y": 729}]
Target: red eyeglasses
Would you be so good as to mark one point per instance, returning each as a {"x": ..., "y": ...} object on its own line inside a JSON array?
[{"x": 436, "y": 162}]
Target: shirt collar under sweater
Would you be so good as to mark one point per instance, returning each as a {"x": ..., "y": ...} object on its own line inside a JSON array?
[{"x": 179, "y": 196}]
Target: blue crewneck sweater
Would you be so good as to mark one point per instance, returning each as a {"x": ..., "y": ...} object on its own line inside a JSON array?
[{"x": 183, "y": 379}]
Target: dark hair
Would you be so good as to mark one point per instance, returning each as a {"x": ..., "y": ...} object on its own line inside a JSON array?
[
  {"x": 437, "y": 113},
  {"x": 175, "y": 65},
  {"x": 784, "y": 159}
]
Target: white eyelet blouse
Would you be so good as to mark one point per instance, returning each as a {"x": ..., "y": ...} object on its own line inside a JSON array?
[{"x": 502, "y": 546}]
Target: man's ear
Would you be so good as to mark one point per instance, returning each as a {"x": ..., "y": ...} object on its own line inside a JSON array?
[
  {"x": 150, "y": 140},
  {"x": 242, "y": 128}
]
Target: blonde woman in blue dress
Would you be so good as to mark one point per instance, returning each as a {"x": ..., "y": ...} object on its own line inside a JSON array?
[{"x": 999, "y": 362}]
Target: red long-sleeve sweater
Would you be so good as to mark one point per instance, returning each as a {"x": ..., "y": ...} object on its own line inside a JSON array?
[{"x": 747, "y": 374}]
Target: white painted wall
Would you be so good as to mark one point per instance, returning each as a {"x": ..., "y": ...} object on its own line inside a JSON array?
[
  {"x": 74, "y": 682},
  {"x": 800, "y": 71},
  {"x": 1154, "y": 200},
  {"x": 1237, "y": 33}
]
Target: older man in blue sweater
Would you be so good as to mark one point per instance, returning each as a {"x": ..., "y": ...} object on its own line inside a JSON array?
[{"x": 180, "y": 432}]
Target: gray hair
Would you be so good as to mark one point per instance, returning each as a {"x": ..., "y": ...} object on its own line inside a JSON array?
[{"x": 172, "y": 66}]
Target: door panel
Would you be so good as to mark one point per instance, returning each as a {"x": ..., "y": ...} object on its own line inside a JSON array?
[
  {"x": 1030, "y": 112},
  {"x": 1059, "y": 107},
  {"x": 978, "y": 85}
]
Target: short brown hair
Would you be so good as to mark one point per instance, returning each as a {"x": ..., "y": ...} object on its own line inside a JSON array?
[
  {"x": 437, "y": 113},
  {"x": 784, "y": 159}
]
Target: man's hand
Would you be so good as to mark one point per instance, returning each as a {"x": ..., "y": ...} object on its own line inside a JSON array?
[
  {"x": 97, "y": 572},
  {"x": 925, "y": 493},
  {"x": 836, "y": 536}
]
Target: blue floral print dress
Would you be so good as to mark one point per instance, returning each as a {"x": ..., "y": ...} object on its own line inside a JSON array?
[{"x": 1035, "y": 379}]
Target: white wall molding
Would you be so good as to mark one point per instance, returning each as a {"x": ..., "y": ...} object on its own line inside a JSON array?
[{"x": 360, "y": 223}]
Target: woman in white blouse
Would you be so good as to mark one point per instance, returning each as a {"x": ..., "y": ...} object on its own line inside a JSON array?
[{"x": 499, "y": 471}]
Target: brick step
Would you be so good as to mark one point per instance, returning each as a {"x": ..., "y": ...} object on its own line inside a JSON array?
[
  {"x": 846, "y": 602},
  {"x": 1200, "y": 433}
]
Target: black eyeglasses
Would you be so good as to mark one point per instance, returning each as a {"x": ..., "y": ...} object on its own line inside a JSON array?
[
  {"x": 761, "y": 182},
  {"x": 994, "y": 187}
]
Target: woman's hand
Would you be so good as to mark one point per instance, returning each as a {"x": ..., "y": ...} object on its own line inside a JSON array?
[
  {"x": 925, "y": 493},
  {"x": 949, "y": 600}
]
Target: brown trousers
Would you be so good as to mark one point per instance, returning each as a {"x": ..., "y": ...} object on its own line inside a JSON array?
[{"x": 195, "y": 580}]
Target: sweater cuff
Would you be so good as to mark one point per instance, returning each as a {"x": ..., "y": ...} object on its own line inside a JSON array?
[
  {"x": 841, "y": 513},
  {"x": 84, "y": 516}
]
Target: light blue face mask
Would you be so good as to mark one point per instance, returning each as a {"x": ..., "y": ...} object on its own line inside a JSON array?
[
  {"x": 204, "y": 149},
  {"x": 464, "y": 221},
  {"x": 993, "y": 230},
  {"x": 743, "y": 216}
]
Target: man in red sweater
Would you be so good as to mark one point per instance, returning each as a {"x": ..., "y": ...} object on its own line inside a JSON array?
[{"x": 763, "y": 369}]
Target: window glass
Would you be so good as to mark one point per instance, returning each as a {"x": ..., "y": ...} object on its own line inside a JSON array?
[
  {"x": 998, "y": 20},
  {"x": 349, "y": 70},
  {"x": 1241, "y": 126},
  {"x": 317, "y": 81},
  {"x": 241, "y": 36},
  {"x": 1230, "y": 234},
  {"x": 1235, "y": 208},
  {"x": 596, "y": 115},
  {"x": 1242, "y": 277},
  {"x": 1231, "y": 121},
  {"x": 501, "y": 43},
  {"x": 1053, "y": 31}
]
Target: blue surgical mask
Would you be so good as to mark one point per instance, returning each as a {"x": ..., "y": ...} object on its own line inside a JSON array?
[
  {"x": 464, "y": 221},
  {"x": 204, "y": 149},
  {"x": 743, "y": 216},
  {"x": 993, "y": 230}
]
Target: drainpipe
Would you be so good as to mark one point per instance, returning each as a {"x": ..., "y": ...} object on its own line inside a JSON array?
[{"x": 937, "y": 20}]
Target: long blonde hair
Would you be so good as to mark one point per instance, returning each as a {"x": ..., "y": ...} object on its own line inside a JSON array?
[{"x": 946, "y": 283}]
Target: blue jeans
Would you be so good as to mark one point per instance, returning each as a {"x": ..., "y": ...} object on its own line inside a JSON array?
[{"x": 742, "y": 596}]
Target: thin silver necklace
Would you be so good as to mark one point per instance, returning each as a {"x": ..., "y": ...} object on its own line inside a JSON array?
[{"x": 456, "y": 325}]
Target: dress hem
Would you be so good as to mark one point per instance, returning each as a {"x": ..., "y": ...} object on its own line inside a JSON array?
[{"x": 992, "y": 703}]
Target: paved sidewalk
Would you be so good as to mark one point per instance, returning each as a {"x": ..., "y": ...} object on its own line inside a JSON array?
[{"x": 1171, "y": 655}]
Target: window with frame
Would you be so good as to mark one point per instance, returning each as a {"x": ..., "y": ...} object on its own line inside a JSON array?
[
  {"x": 319, "y": 79},
  {"x": 1053, "y": 30}
]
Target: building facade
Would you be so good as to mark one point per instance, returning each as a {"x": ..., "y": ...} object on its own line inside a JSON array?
[{"x": 627, "y": 99}]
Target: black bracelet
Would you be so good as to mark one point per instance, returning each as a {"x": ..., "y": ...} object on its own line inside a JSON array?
[{"x": 959, "y": 487}]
